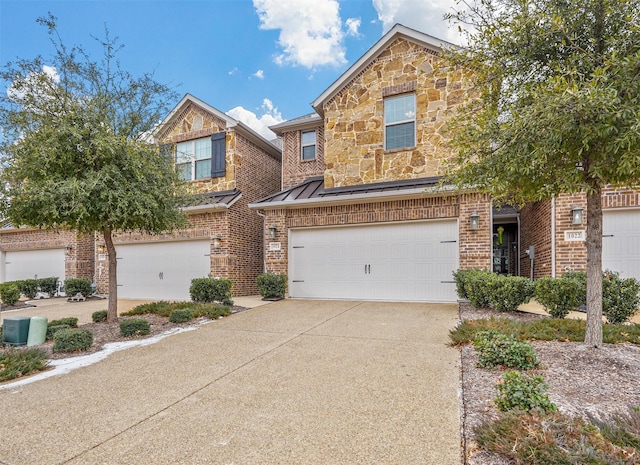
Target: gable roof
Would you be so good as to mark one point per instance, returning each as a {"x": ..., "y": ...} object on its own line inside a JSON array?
[
  {"x": 230, "y": 123},
  {"x": 309, "y": 121},
  {"x": 396, "y": 32}
]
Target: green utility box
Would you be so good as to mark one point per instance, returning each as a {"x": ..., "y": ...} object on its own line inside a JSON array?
[{"x": 15, "y": 331}]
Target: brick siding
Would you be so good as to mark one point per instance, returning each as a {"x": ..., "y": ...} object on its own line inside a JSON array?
[{"x": 294, "y": 169}]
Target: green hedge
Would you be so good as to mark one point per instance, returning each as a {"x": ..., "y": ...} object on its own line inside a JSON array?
[
  {"x": 204, "y": 290},
  {"x": 134, "y": 327},
  {"x": 9, "y": 293},
  {"x": 77, "y": 285},
  {"x": 620, "y": 297},
  {"x": 486, "y": 289},
  {"x": 72, "y": 340},
  {"x": 28, "y": 287},
  {"x": 271, "y": 284},
  {"x": 48, "y": 286},
  {"x": 99, "y": 316},
  {"x": 181, "y": 316}
]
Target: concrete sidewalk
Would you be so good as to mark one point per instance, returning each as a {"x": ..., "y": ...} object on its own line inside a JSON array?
[{"x": 293, "y": 382}]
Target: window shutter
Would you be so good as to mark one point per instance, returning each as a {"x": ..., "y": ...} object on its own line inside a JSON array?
[
  {"x": 218, "y": 152},
  {"x": 166, "y": 152}
]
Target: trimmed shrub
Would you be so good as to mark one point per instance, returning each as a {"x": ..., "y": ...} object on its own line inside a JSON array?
[
  {"x": 48, "y": 286},
  {"x": 507, "y": 293},
  {"x": 161, "y": 308},
  {"x": 271, "y": 284},
  {"x": 28, "y": 288},
  {"x": 520, "y": 391},
  {"x": 52, "y": 329},
  {"x": 100, "y": 315},
  {"x": 212, "y": 312},
  {"x": 461, "y": 277},
  {"x": 74, "y": 285},
  {"x": 181, "y": 316},
  {"x": 134, "y": 327},
  {"x": 477, "y": 287},
  {"x": 9, "y": 293},
  {"x": 70, "y": 320},
  {"x": 15, "y": 363},
  {"x": 620, "y": 297},
  {"x": 495, "y": 348},
  {"x": 558, "y": 296},
  {"x": 72, "y": 340},
  {"x": 205, "y": 290}
]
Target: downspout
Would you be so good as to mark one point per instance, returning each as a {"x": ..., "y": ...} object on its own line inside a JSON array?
[
  {"x": 553, "y": 236},
  {"x": 264, "y": 256}
]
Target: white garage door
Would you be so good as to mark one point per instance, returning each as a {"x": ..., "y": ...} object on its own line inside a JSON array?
[
  {"x": 30, "y": 264},
  {"x": 393, "y": 262},
  {"x": 162, "y": 270},
  {"x": 621, "y": 242}
]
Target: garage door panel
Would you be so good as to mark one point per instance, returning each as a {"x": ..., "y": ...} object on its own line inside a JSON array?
[
  {"x": 621, "y": 242},
  {"x": 393, "y": 261},
  {"x": 32, "y": 264},
  {"x": 161, "y": 270}
]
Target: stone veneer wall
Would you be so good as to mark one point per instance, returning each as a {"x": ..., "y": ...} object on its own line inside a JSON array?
[
  {"x": 473, "y": 245},
  {"x": 194, "y": 122},
  {"x": 354, "y": 119},
  {"x": 294, "y": 169}
]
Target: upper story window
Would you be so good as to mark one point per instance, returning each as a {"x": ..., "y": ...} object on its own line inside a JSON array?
[
  {"x": 193, "y": 159},
  {"x": 201, "y": 158},
  {"x": 308, "y": 145},
  {"x": 400, "y": 122}
]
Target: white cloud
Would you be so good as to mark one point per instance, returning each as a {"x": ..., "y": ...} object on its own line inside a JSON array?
[
  {"x": 270, "y": 116},
  {"x": 353, "y": 26},
  {"x": 233, "y": 71},
  {"x": 34, "y": 85},
  {"x": 311, "y": 31},
  {"x": 259, "y": 74},
  {"x": 423, "y": 15}
]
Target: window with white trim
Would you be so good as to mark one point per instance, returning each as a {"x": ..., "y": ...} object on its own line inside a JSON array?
[
  {"x": 308, "y": 145},
  {"x": 400, "y": 122},
  {"x": 193, "y": 159}
]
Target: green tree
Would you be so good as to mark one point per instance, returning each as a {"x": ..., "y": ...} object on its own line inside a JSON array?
[
  {"x": 555, "y": 108},
  {"x": 76, "y": 142}
]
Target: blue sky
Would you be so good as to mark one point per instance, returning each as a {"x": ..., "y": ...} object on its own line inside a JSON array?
[{"x": 261, "y": 61}]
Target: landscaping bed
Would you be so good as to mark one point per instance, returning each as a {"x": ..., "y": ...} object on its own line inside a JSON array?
[{"x": 584, "y": 383}]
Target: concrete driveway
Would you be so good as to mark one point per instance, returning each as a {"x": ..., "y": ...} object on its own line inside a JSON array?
[{"x": 293, "y": 382}]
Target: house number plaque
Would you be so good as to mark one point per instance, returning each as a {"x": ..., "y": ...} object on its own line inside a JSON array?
[
  {"x": 275, "y": 246},
  {"x": 574, "y": 236}
]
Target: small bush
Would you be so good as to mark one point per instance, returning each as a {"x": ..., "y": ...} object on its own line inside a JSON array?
[
  {"x": 519, "y": 391},
  {"x": 212, "y": 312},
  {"x": 623, "y": 430},
  {"x": 29, "y": 288},
  {"x": 272, "y": 285},
  {"x": 205, "y": 290},
  {"x": 48, "y": 286},
  {"x": 15, "y": 363},
  {"x": 100, "y": 315},
  {"x": 9, "y": 293},
  {"x": 75, "y": 285},
  {"x": 495, "y": 348},
  {"x": 161, "y": 308},
  {"x": 72, "y": 340},
  {"x": 558, "y": 296},
  {"x": 461, "y": 277},
  {"x": 507, "y": 293},
  {"x": 477, "y": 287},
  {"x": 620, "y": 297},
  {"x": 134, "y": 327},
  {"x": 53, "y": 329},
  {"x": 181, "y": 316},
  {"x": 71, "y": 321}
]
